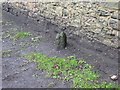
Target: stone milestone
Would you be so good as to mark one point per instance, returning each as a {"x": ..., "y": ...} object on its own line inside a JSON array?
[{"x": 61, "y": 40}]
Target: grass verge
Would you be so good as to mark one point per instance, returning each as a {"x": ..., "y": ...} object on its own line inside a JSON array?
[
  {"x": 21, "y": 35},
  {"x": 81, "y": 73}
]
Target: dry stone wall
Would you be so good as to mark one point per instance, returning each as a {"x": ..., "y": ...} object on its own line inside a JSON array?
[{"x": 96, "y": 20}]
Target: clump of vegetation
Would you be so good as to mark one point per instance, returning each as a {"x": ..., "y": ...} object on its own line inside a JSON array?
[
  {"x": 21, "y": 35},
  {"x": 6, "y": 53},
  {"x": 81, "y": 73}
]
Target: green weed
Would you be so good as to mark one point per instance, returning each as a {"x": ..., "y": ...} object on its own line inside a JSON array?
[
  {"x": 6, "y": 53},
  {"x": 69, "y": 68},
  {"x": 21, "y": 35}
]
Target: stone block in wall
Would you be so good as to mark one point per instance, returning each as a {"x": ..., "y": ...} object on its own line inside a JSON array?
[
  {"x": 117, "y": 33},
  {"x": 114, "y": 23},
  {"x": 116, "y": 15},
  {"x": 103, "y": 13},
  {"x": 24, "y": 12},
  {"x": 59, "y": 11}
]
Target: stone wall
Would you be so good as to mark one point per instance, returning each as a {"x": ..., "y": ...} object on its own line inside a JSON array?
[{"x": 96, "y": 20}]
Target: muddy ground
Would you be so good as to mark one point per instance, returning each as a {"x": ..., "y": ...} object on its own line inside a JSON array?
[{"x": 18, "y": 72}]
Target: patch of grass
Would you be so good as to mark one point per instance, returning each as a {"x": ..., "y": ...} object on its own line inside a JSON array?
[
  {"x": 81, "y": 73},
  {"x": 21, "y": 35}
]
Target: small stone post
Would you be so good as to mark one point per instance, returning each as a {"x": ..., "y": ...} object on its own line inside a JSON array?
[{"x": 61, "y": 40}]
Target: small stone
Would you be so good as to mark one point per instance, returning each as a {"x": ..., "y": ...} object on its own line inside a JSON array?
[
  {"x": 115, "y": 16},
  {"x": 114, "y": 24},
  {"x": 114, "y": 77},
  {"x": 32, "y": 38},
  {"x": 103, "y": 13}
]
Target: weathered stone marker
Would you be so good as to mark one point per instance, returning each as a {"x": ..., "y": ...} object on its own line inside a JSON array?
[{"x": 61, "y": 40}]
